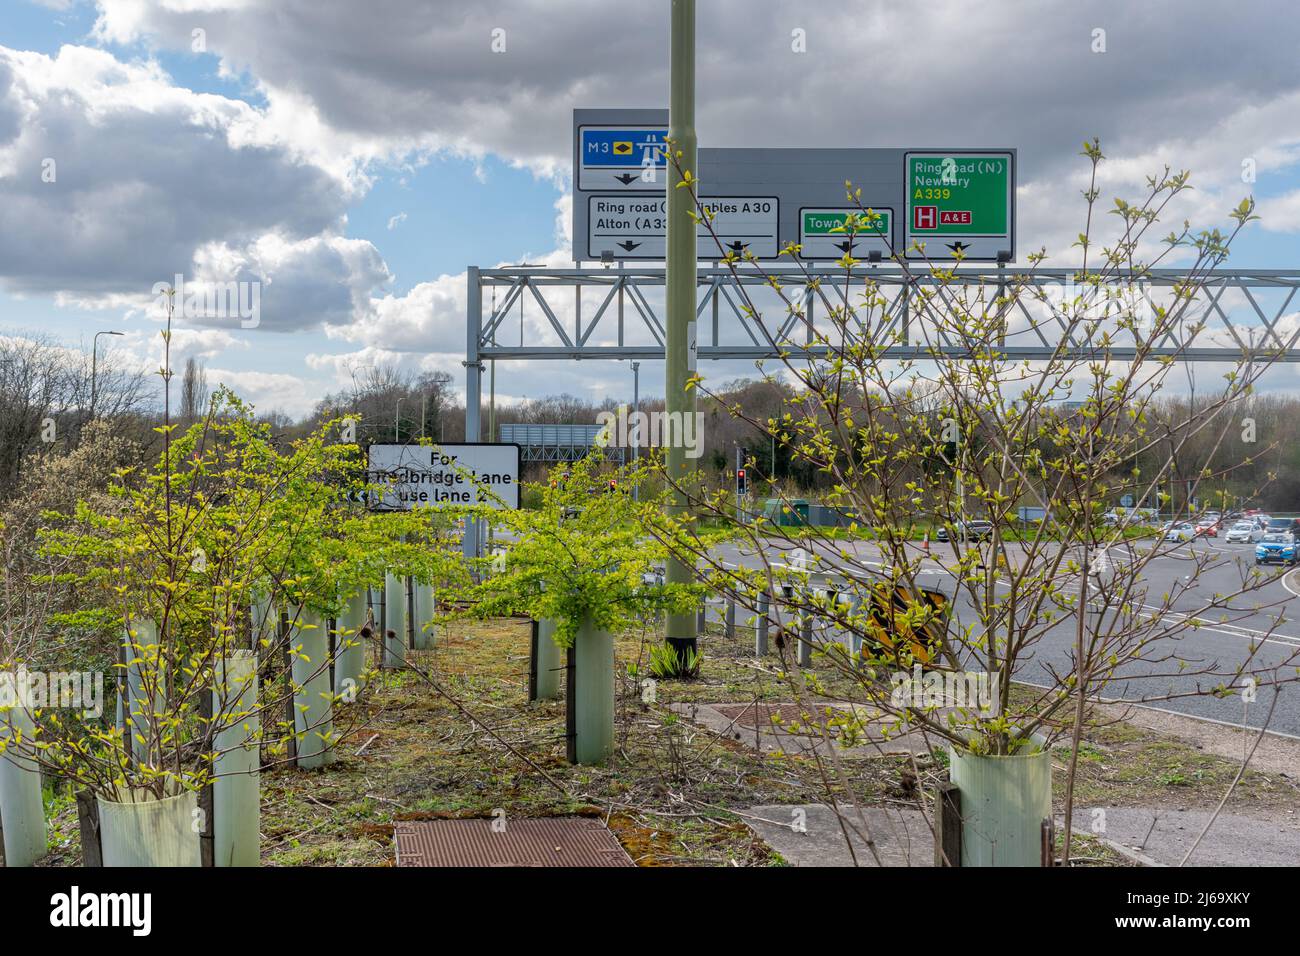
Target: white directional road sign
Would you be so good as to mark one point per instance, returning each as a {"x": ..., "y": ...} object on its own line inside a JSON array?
[
  {"x": 622, "y": 158},
  {"x": 632, "y": 227},
  {"x": 444, "y": 475},
  {"x": 959, "y": 202},
  {"x": 823, "y": 234}
]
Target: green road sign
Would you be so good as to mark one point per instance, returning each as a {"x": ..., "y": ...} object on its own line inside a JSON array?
[
  {"x": 960, "y": 202},
  {"x": 823, "y": 234}
]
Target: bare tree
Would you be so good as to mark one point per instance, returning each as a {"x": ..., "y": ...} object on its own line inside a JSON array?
[
  {"x": 1054, "y": 613},
  {"x": 194, "y": 391}
]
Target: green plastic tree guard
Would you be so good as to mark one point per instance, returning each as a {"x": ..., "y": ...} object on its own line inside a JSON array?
[
  {"x": 424, "y": 612},
  {"x": 349, "y": 648},
  {"x": 593, "y": 694},
  {"x": 394, "y": 621},
  {"x": 236, "y": 803},
  {"x": 263, "y": 619},
  {"x": 138, "y": 829},
  {"x": 142, "y": 674},
  {"x": 550, "y": 661},
  {"x": 1004, "y": 801},
  {"x": 22, "y": 814},
  {"x": 313, "y": 701}
]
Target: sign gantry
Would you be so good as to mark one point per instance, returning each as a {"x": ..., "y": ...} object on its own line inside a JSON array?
[
  {"x": 960, "y": 201},
  {"x": 956, "y": 201}
]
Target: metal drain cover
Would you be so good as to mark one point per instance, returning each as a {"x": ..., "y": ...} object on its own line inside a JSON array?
[
  {"x": 541, "y": 841},
  {"x": 770, "y": 716}
]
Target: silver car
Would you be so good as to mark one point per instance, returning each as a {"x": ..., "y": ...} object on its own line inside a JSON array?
[{"x": 1247, "y": 531}]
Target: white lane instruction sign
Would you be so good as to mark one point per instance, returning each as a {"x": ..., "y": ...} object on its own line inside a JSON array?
[
  {"x": 632, "y": 227},
  {"x": 444, "y": 475}
]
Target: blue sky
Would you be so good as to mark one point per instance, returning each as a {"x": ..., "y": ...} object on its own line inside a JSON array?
[{"x": 355, "y": 158}]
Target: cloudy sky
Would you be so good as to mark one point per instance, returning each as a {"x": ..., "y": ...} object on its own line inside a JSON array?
[{"x": 353, "y": 158}]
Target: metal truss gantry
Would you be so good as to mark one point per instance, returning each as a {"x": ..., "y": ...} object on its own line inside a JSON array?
[
  {"x": 553, "y": 443},
  {"x": 1242, "y": 312}
]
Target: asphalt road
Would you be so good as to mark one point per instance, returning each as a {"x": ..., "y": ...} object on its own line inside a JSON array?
[{"x": 1268, "y": 613}]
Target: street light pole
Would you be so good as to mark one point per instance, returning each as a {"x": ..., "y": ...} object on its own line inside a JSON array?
[
  {"x": 681, "y": 277},
  {"x": 94, "y": 366}
]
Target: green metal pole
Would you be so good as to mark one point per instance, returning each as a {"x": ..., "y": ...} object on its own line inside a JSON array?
[{"x": 681, "y": 290}]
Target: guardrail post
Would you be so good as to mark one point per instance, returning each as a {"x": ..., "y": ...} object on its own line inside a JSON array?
[
  {"x": 855, "y": 637},
  {"x": 805, "y": 635}
]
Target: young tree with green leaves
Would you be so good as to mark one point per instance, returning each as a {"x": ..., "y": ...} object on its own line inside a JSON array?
[
  {"x": 582, "y": 560},
  {"x": 1053, "y": 613}
]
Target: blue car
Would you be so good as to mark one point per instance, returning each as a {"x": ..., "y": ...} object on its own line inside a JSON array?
[{"x": 1277, "y": 546}]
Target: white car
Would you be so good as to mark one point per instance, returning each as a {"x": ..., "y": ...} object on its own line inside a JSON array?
[
  {"x": 1180, "y": 531},
  {"x": 1247, "y": 531}
]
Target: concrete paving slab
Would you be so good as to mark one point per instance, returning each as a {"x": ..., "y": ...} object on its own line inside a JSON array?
[
  {"x": 1165, "y": 835},
  {"x": 811, "y": 835},
  {"x": 738, "y": 721}
]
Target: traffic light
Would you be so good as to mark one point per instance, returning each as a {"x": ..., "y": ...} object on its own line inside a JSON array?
[
  {"x": 742, "y": 485},
  {"x": 613, "y": 484}
]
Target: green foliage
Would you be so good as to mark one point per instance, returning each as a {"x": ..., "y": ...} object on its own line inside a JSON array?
[
  {"x": 666, "y": 663},
  {"x": 225, "y": 521},
  {"x": 938, "y": 441},
  {"x": 583, "y": 553}
]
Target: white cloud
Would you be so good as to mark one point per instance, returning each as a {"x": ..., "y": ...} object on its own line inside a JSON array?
[
  {"x": 281, "y": 392},
  {"x": 140, "y": 165},
  {"x": 1022, "y": 71},
  {"x": 1281, "y": 213},
  {"x": 218, "y": 189}
]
